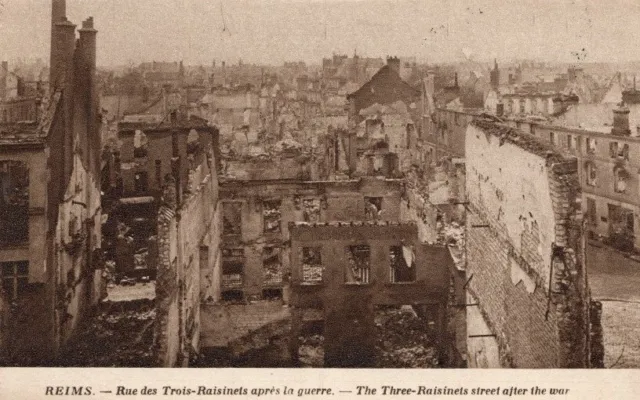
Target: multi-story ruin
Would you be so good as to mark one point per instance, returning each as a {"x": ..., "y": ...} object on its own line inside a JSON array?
[{"x": 51, "y": 209}]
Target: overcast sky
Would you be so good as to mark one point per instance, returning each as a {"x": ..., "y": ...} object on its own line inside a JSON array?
[{"x": 272, "y": 31}]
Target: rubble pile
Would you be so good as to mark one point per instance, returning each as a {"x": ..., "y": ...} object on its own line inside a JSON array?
[
  {"x": 120, "y": 335},
  {"x": 403, "y": 340},
  {"x": 311, "y": 351}
]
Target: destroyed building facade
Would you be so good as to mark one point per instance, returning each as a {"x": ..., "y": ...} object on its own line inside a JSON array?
[
  {"x": 256, "y": 216},
  {"x": 527, "y": 283},
  {"x": 51, "y": 269},
  {"x": 345, "y": 270}
]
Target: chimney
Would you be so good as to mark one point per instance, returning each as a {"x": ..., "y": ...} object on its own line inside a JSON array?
[
  {"x": 394, "y": 64},
  {"x": 87, "y": 89},
  {"x": 58, "y": 14},
  {"x": 62, "y": 49},
  {"x": 621, "y": 121}
]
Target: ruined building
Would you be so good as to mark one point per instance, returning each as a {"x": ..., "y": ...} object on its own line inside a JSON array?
[
  {"x": 50, "y": 205},
  {"x": 347, "y": 270},
  {"x": 188, "y": 251},
  {"x": 528, "y": 299}
]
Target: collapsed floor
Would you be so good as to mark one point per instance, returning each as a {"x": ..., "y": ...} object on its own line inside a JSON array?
[
  {"x": 402, "y": 342},
  {"x": 119, "y": 335}
]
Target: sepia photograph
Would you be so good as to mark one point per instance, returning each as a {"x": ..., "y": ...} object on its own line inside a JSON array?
[{"x": 408, "y": 184}]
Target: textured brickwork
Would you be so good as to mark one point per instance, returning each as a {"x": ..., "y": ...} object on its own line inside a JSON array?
[
  {"x": 525, "y": 248},
  {"x": 516, "y": 316}
]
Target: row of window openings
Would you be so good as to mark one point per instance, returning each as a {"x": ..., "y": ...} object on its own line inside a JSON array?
[
  {"x": 272, "y": 215},
  {"x": 620, "y": 177},
  {"x": 616, "y": 150},
  {"x": 401, "y": 261}
]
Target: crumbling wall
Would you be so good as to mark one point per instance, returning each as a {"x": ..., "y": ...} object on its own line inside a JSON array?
[
  {"x": 167, "y": 329},
  {"x": 525, "y": 252},
  {"x": 188, "y": 266}
]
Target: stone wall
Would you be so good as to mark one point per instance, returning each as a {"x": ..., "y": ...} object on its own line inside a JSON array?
[{"x": 188, "y": 264}]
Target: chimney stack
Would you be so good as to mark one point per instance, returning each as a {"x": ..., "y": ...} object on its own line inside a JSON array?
[
  {"x": 394, "y": 64},
  {"x": 87, "y": 90},
  {"x": 621, "y": 121}
]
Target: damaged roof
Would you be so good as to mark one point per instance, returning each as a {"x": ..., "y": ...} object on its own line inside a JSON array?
[
  {"x": 21, "y": 135},
  {"x": 193, "y": 122},
  {"x": 521, "y": 139}
]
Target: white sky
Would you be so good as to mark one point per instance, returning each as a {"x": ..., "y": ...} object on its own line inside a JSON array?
[{"x": 272, "y": 31}]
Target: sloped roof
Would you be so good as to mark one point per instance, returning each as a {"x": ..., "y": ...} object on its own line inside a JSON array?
[{"x": 385, "y": 71}]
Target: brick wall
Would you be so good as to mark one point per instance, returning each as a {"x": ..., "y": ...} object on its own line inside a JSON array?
[{"x": 525, "y": 251}]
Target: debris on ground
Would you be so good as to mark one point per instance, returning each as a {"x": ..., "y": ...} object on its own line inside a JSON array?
[
  {"x": 403, "y": 340},
  {"x": 311, "y": 351},
  {"x": 120, "y": 335}
]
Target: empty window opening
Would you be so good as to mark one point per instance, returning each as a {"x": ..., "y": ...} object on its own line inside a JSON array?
[
  {"x": 272, "y": 265},
  {"x": 591, "y": 211},
  {"x": 232, "y": 268},
  {"x": 312, "y": 269},
  {"x": 621, "y": 176},
  {"x": 193, "y": 142},
  {"x": 619, "y": 151},
  {"x": 621, "y": 227},
  {"x": 141, "y": 182},
  {"x": 591, "y": 173},
  {"x": 272, "y": 294},
  {"x": 590, "y": 145},
  {"x": 14, "y": 202},
  {"x": 358, "y": 270},
  {"x": 402, "y": 262},
  {"x": 552, "y": 138},
  {"x": 372, "y": 208},
  {"x": 140, "y": 144},
  {"x": 311, "y": 210},
  {"x": 271, "y": 215},
  {"x": 15, "y": 278},
  {"x": 613, "y": 149},
  {"x": 158, "y": 172},
  {"x": 232, "y": 218},
  {"x": 232, "y": 295}
]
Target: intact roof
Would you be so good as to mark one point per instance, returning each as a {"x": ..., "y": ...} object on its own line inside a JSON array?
[{"x": 384, "y": 71}]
